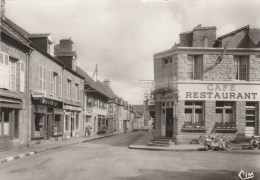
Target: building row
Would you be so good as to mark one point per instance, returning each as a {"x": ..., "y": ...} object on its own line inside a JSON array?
[
  {"x": 208, "y": 84},
  {"x": 45, "y": 96}
]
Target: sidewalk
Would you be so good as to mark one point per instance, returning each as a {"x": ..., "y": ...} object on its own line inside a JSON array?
[
  {"x": 142, "y": 142},
  {"x": 6, "y": 156}
]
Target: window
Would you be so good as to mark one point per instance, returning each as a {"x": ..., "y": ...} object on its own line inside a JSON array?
[
  {"x": 77, "y": 91},
  {"x": 225, "y": 111},
  {"x": 69, "y": 89},
  {"x": 194, "y": 112},
  {"x": 38, "y": 128},
  {"x": 22, "y": 76},
  {"x": 89, "y": 102},
  {"x": 42, "y": 78},
  {"x": 88, "y": 119},
  {"x": 56, "y": 126},
  {"x": 13, "y": 74},
  {"x": 53, "y": 83},
  {"x": 195, "y": 68},
  {"x": 240, "y": 71}
]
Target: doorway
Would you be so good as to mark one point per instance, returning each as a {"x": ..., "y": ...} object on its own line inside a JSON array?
[
  {"x": 169, "y": 122},
  {"x": 48, "y": 126}
]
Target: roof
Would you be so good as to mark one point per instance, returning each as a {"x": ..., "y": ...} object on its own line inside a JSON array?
[
  {"x": 139, "y": 108},
  {"x": 38, "y": 35},
  {"x": 16, "y": 27},
  {"x": 98, "y": 86},
  {"x": 233, "y": 32},
  {"x": 254, "y": 35}
]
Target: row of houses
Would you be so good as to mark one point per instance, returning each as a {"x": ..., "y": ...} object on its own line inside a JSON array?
[
  {"x": 207, "y": 84},
  {"x": 44, "y": 95}
]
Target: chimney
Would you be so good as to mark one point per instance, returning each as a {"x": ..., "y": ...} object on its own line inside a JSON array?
[
  {"x": 2, "y": 9},
  {"x": 204, "y": 36},
  {"x": 65, "y": 53},
  {"x": 66, "y": 45},
  {"x": 107, "y": 82}
]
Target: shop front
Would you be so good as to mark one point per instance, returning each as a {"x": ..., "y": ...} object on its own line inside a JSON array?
[
  {"x": 10, "y": 112},
  {"x": 73, "y": 126},
  {"x": 47, "y": 119}
]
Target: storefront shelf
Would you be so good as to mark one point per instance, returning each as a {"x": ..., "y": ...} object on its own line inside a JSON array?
[
  {"x": 193, "y": 129},
  {"x": 225, "y": 130}
]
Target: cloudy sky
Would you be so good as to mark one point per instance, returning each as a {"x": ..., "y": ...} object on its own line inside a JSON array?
[{"x": 121, "y": 36}]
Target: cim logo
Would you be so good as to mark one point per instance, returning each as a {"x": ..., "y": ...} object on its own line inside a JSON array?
[{"x": 245, "y": 175}]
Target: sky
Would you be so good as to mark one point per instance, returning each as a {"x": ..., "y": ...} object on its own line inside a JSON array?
[{"x": 121, "y": 36}]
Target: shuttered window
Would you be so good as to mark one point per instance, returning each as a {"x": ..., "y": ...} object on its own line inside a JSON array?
[
  {"x": 22, "y": 76},
  {"x": 13, "y": 74}
]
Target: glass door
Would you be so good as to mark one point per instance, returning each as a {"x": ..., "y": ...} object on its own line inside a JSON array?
[{"x": 251, "y": 114}]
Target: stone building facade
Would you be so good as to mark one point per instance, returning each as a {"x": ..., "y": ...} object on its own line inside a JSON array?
[
  {"x": 14, "y": 55},
  {"x": 201, "y": 89}
]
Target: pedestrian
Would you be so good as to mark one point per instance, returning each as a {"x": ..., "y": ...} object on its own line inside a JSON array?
[{"x": 88, "y": 131}]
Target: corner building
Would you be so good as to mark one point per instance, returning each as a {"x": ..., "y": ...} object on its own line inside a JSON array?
[{"x": 203, "y": 87}]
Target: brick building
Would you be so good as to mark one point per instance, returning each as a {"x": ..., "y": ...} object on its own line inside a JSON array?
[
  {"x": 200, "y": 87},
  {"x": 14, "y": 55}
]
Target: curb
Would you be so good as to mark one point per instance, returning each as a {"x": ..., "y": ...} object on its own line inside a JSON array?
[
  {"x": 140, "y": 147},
  {"x": 160, "y": 149},
  {"x": 23, "y": 155}
]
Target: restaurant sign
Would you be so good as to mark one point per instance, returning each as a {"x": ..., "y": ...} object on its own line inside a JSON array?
[
  {"x": 72, "y": 108},
  {"x": 219, "y": 91}
]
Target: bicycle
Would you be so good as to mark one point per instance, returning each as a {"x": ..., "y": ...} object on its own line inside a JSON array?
[
  {"x": 255, "y": 142},
  {"x": 219, "y": 142}
]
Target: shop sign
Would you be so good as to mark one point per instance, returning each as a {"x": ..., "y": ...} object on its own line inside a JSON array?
[
  {"x": 38, "y": 93},
  {"x": 167, "y": 97},
  {"x": 72, "y": 108},
  {"x": 49, "y": 102},
  {"x": 220, "y": 91}
]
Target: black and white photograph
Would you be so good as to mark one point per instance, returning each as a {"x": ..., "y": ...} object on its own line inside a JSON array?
[{"x": 129, "y": 90}]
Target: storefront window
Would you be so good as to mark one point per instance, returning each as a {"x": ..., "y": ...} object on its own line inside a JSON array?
[
  {"x": 39, "y": 125},
  {"x": 225, "y": 111},
  {"x": 56, "y": 126},
  {"x": 194, "y": 112}
]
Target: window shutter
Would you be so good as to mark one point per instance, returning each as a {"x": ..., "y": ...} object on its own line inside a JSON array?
[
  {"x": 6, "y": 71},
  {"x": 22, "y": 76},
  {"x": 1, "y": 70},
  {"x": 44, "y": 78},
  {"x": 51, "y": 82},
  {"x": 40, "y": 77},
  {"x": 60, "y": 86}
]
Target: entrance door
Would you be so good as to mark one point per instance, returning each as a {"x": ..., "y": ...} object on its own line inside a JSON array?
[
  {"x": 48, "y": 126},
  {"x": 169, "y": 122},
  {"x": 251, "y": 117},
  {"x": 5, "y": 140}
]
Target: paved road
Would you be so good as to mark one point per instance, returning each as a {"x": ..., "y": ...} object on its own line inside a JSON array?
[{"x": 109, "y": 158}]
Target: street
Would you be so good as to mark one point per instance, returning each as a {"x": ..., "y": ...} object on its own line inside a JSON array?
[{"x": 110, "y": 158}]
